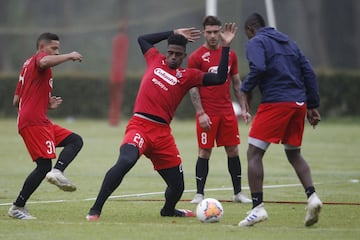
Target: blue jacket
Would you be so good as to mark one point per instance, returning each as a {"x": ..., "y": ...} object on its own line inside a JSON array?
[{"x": 280, "y": 69}]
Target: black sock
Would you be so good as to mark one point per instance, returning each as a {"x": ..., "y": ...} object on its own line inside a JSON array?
[
  {"x": 33, "y": 181},
  {"x": 309, "y": 190},
  {"x": 257, "y": 198},
  {"x": 72, "y": 145},
  {"x": 174, "y": 179},
  {"x": 234, "y": 168},
  {"x": 201, "y": 171}
]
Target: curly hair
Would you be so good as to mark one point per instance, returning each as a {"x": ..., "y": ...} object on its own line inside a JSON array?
[
  {"x": 255, "y": 20},
  {"x": 177, "y": 39}
]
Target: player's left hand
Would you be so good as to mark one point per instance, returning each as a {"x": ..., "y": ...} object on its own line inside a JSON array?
[
  {"x": 54, "y": 102},
  {"x": 228, "y": 34},
  {"x": 313, "y": 117},
  {"x": 191, "y": 34}
]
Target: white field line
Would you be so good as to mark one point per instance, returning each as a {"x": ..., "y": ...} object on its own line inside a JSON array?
[{"x": 150, "y": 194}]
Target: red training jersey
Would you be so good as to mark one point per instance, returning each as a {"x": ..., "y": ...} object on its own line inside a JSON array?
[
  {"x": 215, "y": 100},
  {"x": 34, "y": 89},
  {"x": 163, "y": 88}
]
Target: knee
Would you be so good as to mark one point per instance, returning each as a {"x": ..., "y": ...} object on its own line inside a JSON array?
[
  {"x": 178, "y": 186},
  {"x": 129, "y": 154},
  {"x": 125, "y": 161},
  {"x": 43, "y": 165},
  {"x": 181, "y": 187},
  {"x": 232, "y": 151},
  {"x": 78, "y": 141},
  {"x": 293, "y": 155}
]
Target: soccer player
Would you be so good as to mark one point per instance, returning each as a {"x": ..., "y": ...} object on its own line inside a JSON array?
[
  {"x": 289, "y": 90},
  {"x": 215, "y": 117},
  {"x": 33, "y": 98},
  {"x": 148, "y": 132}
]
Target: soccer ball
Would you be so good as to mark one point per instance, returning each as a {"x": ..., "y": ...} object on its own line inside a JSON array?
[{"x": 209, "y": 210}]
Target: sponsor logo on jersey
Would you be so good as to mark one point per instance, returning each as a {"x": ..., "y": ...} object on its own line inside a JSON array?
[
  {"x": 167, "y": 77},
  {"x": 206, "y": 57},
  {"x": 213, "y": 69},
  {"x": 160, "y": 84}
]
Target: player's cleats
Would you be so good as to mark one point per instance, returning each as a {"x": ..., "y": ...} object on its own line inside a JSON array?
[
  {"x": 184, "y": 213},
  {"x": 94, "y": 217},
  {"x": 19, "y": 213},
  {"x": 240, "y": 197},
  {"x": 256, "y": 215},
  {"x": 197, "y": 198},
  {"x": 313, "y": 208},
  {"x": 179, "y": 213},
  {"x": 57, "y": 178}
]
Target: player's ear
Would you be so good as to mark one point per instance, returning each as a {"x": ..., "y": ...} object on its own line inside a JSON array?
[{"x": 41, "y": 45}]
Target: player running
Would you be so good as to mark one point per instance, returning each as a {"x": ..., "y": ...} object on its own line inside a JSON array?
[{"x": 41, "y": 136}]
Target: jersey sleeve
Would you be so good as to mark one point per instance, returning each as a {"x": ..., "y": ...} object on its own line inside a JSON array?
[
  {"x": 38, "y": 57},
  {"x": 196, "y": 79},
  {"x": 151, "y": 54}
]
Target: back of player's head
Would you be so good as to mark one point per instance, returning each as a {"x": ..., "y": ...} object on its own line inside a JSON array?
[
  {"x": 177, "y": 39},
  {"x": 211, "y": 21},
  {"x": 255, "y": 20},
  {"x": 48, "y": 37}
]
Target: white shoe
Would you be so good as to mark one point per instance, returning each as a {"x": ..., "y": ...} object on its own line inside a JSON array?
[
  {"x": 198, "y": 198},
  {"x": 313, "y": 208},
  {"x": 57, "y": 178},
  {"x": 256, "y": 215},
  {"x": 240, "y": 197},
  {"x": 19, "y": 213}
]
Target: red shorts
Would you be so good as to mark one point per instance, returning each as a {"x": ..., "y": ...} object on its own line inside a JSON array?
[
  {"x": 154, "y": 140},
  {"x": 279, "y": 123},
  {"x": 41, "y": 141},
  {"x": 224, "y": 130}
]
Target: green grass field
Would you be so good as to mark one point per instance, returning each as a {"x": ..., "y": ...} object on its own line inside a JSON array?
[{"x": 133, "y": 212}]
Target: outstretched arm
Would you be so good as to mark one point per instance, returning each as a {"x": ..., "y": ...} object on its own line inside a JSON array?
[{"x": 53, "y": 60}]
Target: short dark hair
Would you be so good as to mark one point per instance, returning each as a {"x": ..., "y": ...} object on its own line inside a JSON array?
[
  {"x": 177, "y": 39},
  {"x": 255, "y": 20},
  {"x": 47, "y": 37},
  {"x": 211, "y": 21}
]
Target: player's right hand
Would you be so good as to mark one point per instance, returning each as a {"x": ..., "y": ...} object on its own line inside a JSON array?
[
  {"x": 204, "y": 121},
  {"x": 191, "y": 34},
  {"x": 75, "y": 56}
]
